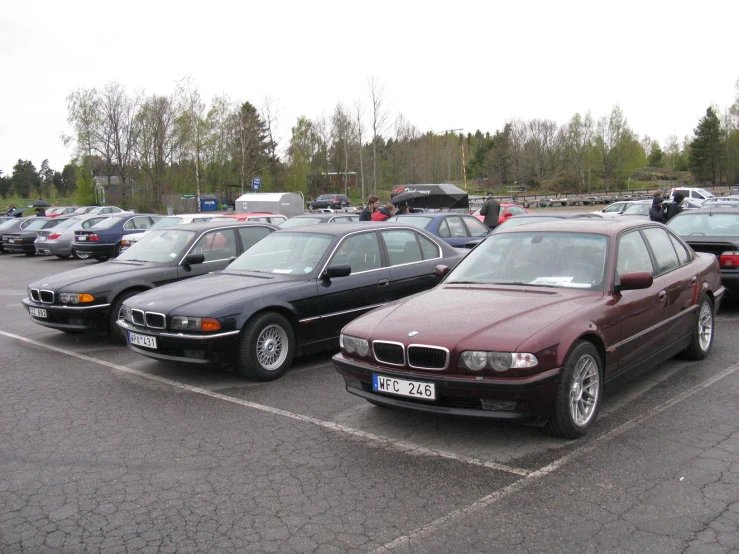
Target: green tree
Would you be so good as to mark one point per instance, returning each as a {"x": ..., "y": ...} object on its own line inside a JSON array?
[
  {"x": 68, "y": 179},
  {"x": 656, "y": 156},
  {"x": 25, "y": 178},
  {"x": 706, "y": 149},
  {"x": 6, "y": 183},
  {"x": 85, "y": 184}
]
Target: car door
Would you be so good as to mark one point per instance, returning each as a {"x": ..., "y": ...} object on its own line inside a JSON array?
[
  {"x": 453, "y": 231},
  {"x": 642, "y": 313},
  {"x": 412, "y": 259},
  {"x": 681, "y": 280},
  {"x": 250, "y": 236},
  {"x": 342, "y": 299},
  {"x": 475, "y": 228}
]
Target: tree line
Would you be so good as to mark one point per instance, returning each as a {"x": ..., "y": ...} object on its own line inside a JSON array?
[{"x": 177, "y": 143}]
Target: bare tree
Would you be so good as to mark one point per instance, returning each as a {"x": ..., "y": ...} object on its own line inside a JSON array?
[
  {"x": 359, "y": 131},
  {"x": 341, "y": 134},
  {"x": 193, "y": 129},
  {"x": 380, "y": 115},
  {"x": 157, "y": 141}
]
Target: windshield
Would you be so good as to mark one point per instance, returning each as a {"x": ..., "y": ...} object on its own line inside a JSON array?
[
  {"x": 9, "y": 223},
  {"x": 37, "y": 224},
  {"x": 638, "y": 209},
  {"x": 413, "y": 221},
  {"x": 706, "y": 224},
  {"x": 158, "y": 246},
  {"x": 299, "y": 222},
  {"x": 543, "y": 259},
  {"x": 169, "y": 221},
  {"x": 286, "y": 253}
]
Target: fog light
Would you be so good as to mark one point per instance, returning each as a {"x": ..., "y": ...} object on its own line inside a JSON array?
[{"x": 498, "y": 405}]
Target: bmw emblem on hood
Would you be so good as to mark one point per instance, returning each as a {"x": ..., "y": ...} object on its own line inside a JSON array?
[{"x": 413, "y": 333}]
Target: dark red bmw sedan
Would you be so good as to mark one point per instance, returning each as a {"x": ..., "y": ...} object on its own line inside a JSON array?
[{"x": 535, "y": 320}]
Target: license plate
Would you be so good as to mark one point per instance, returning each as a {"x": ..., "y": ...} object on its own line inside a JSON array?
[
  {"x": 37, "y": 312},
  {"x": 40, "y": 239},
  {"x": 142, "y": 340},
  {"x": 11, "y": 241},
  {"x": 80, "y": 237},
  {"x": 401, "y": 387}
]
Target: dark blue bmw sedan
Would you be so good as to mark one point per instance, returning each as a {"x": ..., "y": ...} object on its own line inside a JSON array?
[
  {"x": 103, "y": 241},
  {"x": 454, "y": 228}
]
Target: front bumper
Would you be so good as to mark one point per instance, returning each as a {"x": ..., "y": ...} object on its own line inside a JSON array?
[
  {"x": 529, "y": 398},
  {"x": 173, "y": 346},
  {"x": 85, "y": 319}
]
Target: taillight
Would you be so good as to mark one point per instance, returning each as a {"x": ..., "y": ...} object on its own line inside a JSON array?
[
  {"x": 729, "y": 259},
  {"x": 54, "y": 236}
]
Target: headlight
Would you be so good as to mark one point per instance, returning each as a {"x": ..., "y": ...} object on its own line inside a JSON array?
[
  {"x": 126, "y": 313},
  {"x": 74, "y": 298},
  {"x": 477, "y": 360},
  {"x": 354, "y": 345},
  {"x": 185, "y": 323}
]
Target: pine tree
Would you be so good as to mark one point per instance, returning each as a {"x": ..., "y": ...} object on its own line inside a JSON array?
[{"x": 706, "y": 148}]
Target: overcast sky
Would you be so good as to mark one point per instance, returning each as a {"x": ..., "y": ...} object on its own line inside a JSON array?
[{"x": 453, "y": 65}]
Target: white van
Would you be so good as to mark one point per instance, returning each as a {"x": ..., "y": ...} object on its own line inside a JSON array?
[{"x": 694, "y": 194}]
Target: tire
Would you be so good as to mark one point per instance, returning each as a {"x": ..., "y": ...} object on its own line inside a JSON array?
[
  {"x": 117, "y": 250},
  {"x": 115, "y": 333},
  {"x": 62, "y": 256},
  {"x": 267, "y": 348},
  {"x": 579, "y": 393},
  {"x": 30, "y": 253},
  {"x": 80, "y": 255},
  {"x": 701, "y": 338},
  {"x": 102, "y": 258}
]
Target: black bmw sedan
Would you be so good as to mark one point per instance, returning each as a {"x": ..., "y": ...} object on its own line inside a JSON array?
[
  {"x": 89, "y": 299},
  {"x": 289, "y": 295}
]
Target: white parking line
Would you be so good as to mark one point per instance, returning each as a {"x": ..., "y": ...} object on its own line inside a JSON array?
[
  {"x": 403, "y": 446},
  {"x": 532, "y": 477}
]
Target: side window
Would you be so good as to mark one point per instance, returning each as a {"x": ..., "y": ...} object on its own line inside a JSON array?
[
  {"x": 252, "y": 235},
  {"x": 129, "y": 225},
  {"x": 361, "y": 252},
  {"x": 142, "y": 222},
  {"x": 476, "y": 228},
  {"x": 444, "y": 231},
  {"x": 662, "y": 248},
  {"x": 632, "y": 254},
  {"x": 402, "y": 247},
  {"x": 456, "y": 227},
  {"x": 682, "y": 253},
  {"x": 216, "y": 245},
  {"x": 429, "y": 249},
  {"x": 277, "y": 220}
]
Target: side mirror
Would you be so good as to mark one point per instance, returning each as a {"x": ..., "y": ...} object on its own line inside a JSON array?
[
  {"x": 441, "y": 270},
  {"x": 635, "y": 281},
  {"x": 338, "y": 270},
  {"x": 192, "y": 259}
]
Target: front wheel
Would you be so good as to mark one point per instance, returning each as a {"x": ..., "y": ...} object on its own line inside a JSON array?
[
  {"x": 267, "y": 348},
  {"x": 701, "y": 338},
  {"x": 579, "y": 393}
]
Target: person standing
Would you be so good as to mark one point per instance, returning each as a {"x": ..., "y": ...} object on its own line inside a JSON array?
[
  {"x": 656, "y": 212},
  {"x": 675, "y": 207},
  {"x": 383, "y": 213},
  {"x": 11, "y": 210},
  {"x": 373, "y": 202},
  {"x": 40, "y": 212},
  {"x": 491, "y": 210}
]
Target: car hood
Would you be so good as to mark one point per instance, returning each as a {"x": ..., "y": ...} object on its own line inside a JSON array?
[
  {"x": 95, "y": 277},
  {"x": 488, "y": 317},
  {"x": 215, "y": 294}
]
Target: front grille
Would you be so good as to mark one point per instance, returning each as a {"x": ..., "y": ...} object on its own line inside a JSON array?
[
  {"x": 35, "y": 295},
  {"x": 155, "y": 320},
  {"x": 47, "y": 296},
  {"x": 137, "y": 316},
  {"x": 389, "y": 352},
  {"x": 427, "y": 357}
]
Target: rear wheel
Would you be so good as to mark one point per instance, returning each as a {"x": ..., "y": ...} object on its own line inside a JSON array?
[
  {"x": 62, "y": 256},
  {"x": 267, "y": 348},
  {"x": 80, "y": 255},
  {"x": 30, "y": 253},
  {"x": 579, "y": 393},
  {"x": 116, "y": 334},
  {"x": 702, "y": 336},
  {"x": 102, "y": 258},
  {"x": 117, "y": 250}
]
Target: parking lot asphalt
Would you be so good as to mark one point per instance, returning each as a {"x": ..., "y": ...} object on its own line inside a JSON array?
[{"x": 105, "y": 450}]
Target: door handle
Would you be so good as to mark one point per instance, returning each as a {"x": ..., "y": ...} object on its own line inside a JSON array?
[
  {"x": 383, "y": 283},
  {"x": 662, "y": 295}
]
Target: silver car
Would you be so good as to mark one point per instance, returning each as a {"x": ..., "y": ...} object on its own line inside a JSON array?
[{"x": 57, "y": 241}]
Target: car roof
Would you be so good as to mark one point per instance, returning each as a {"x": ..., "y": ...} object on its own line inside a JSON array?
[
  {"x": 601, "y": 226},
  {"x": 214, "y": 224},
  {"x": 433, "y": 214},
  {"x": 323, "y": 215},
  {"x": 724, "y": 207},
  {"x": 560, "y": 214},
  {"x": 341, "y": 229}
]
